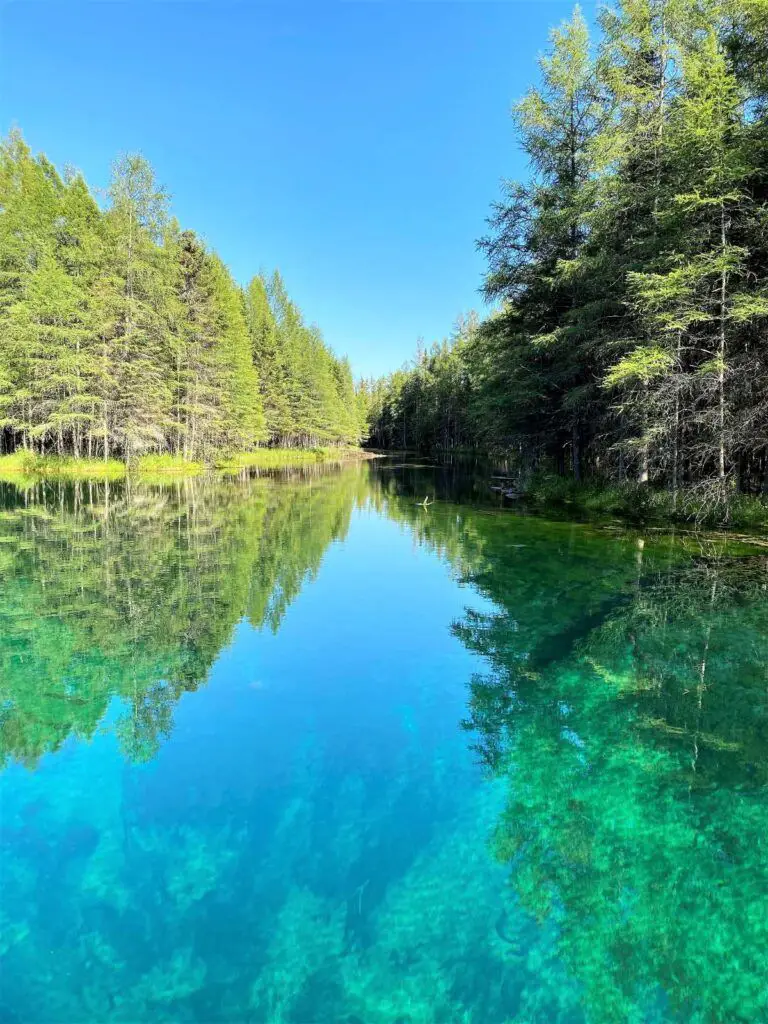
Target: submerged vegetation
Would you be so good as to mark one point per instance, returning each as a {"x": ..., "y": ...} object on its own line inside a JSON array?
[
  {"x": 611, "y": 684},
  {"x": 630, "y": 271}
]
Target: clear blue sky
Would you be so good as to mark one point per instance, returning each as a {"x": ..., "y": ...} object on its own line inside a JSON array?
[{"x": 356, "y": 146}]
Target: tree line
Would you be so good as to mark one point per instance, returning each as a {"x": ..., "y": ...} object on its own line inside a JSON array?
[
  {"x": 629, "y": 273},
  {"x": 122, "y": 334}
]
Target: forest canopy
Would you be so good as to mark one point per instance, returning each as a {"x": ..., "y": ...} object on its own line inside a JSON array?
[
  {"x": 123, "y": 334},
  {"x": 629, "y": 272}
]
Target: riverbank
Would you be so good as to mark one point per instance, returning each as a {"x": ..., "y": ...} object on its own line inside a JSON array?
[
  {"x": 24, "y": 466},
  {"x": 699, "y": 507},
  {"x": 289, "y": 458},
  {"x": 642, "y": 504}
]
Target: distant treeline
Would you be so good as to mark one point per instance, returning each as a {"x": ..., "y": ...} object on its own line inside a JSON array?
[
  {"x": 121, "y": 334},
  {"x": 630, "y": 271}
]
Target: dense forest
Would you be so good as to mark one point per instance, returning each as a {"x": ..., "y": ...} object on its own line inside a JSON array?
[
  {"x": 122, "y": 334},
  {"x": 629, "y": 273}
]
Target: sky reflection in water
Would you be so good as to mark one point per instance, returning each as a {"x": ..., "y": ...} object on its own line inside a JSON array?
[{"x": 299, "y": 750}]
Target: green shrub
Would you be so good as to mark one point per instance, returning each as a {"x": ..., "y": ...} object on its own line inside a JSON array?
[
  {"x": 285, "y": 458},
  {"x": 29, "y": 466},
  {"x": 641, "y": 503},
  {"x": 168, "y": 465}
]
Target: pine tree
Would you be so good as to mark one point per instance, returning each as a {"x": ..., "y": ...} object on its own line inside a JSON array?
[
  {"x": 241, "y": 398},
  {"x": 81, "y": 253},
  {"x": 198, "y": 409},
  {"x": 121, "y": 334},
  {"x": 538, "y": 233},
  {"x": 630, "y": 269},
  {"x": 639, "y": 63},
  {"x": 30, "y": 204},
  {"x": 703, "y": 300},
  {"x": 267, "y": 357},
  {"x": 137, "y": 343}
]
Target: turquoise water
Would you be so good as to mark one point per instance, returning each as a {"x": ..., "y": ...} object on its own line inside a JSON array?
[{"x": 296, "y": 749}]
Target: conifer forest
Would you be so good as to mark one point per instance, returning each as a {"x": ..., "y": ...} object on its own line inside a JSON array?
[
  {"x": 628, "y": 339},
  {"x": 336, "y": 693},
  {"x": 123, "y": 334}
]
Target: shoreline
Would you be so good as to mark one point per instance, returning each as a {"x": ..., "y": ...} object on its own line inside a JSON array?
[
  {"x": 629, "y": 504},
  {"x": 27, "y": 468}
]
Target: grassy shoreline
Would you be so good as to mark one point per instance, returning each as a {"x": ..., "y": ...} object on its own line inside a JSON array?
[
  {"x": 27, "y": 467},
  {"x": 289, "y": 458},
  {"x": 639, "y": 504}
]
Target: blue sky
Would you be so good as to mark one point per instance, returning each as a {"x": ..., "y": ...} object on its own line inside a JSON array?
[{"x": 356, "y": 146}]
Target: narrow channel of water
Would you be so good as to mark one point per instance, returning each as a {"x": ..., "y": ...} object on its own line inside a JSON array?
[{"x": 299, "y": 750}]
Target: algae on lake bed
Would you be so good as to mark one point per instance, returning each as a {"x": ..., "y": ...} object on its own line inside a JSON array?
[{"x": 527, "y": 781}]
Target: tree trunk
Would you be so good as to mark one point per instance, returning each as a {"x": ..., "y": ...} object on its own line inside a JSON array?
[
  {"x": 676, "y": 431},
  {"x": 575, "y": 452},
  {"x": 642, "y": 476},
  {"x": 721, "y": 354}
]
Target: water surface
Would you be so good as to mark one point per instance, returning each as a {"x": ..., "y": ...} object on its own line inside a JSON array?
[{"x": 296, "y": 749}]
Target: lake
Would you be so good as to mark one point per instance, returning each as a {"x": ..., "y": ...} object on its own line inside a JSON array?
[{"x": 297, "y": 749}]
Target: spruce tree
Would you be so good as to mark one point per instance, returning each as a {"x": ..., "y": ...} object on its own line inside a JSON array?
[
  {"x": 137, "y": 342},
  {"x": 267, "y": 357}
]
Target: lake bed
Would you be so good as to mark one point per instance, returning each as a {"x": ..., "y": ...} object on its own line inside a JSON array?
[{"x": 298, "y": 748}]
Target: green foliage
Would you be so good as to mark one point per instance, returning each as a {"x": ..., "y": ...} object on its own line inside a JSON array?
[
  {"x": 642, "y": 364},
  {"x": 637, "y": 503},
  {"x": 279, "y": 458},
  {"x": 124, "y": 336},
  {"x": 427, "y": 405},
  {"x": 167, "y": 465},
  {"x": 630, "y": 270},
  {"x": 26, "y": 465}
]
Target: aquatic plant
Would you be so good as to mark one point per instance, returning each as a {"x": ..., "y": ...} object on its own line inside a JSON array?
[
  {"x": 308, "y": 935},
  {"x": 589, "y": 846}
]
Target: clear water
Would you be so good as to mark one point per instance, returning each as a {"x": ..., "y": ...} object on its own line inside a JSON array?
[{"x": 299, "y": 750}]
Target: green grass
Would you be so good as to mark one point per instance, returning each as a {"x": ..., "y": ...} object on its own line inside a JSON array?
[
  {"x": 167, "y": 466},
  {"x": 28, "y": 467},
  {"x": 286, "y": 458},
  {"x": 638, "y": 503}
]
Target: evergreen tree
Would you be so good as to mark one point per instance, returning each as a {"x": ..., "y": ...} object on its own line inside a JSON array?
[
  {"x": 538, "y": 234},
  {"x": 122, "y": 334},
  {"x": 630, "y": 270},
  {"x": 140, "y": 275},
  {"x": 241, "y": 398},
  {"x": 267, "y": 357}
]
